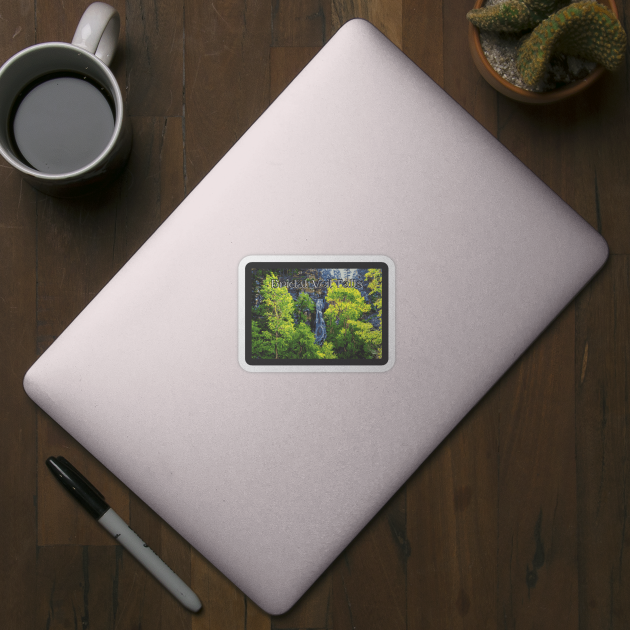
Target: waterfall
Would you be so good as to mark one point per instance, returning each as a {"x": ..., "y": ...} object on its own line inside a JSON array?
[{"x": 320, "y": 325}]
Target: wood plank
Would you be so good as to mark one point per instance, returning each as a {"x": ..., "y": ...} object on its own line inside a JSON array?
[
  {"x": 76, "y": 587},
  {"x": 386, "y": 15},
  {"x": 226, "y": 78},
  {"x": 603, "y": 442},
  {"x": 154, "y": 57},
  {"x": 369, "y": 577},
  {"x": 18, "y": 422},
  {"x": 285, "y": 64},
  {"x": 537, "y": 537},
  {"x": 452, "y": 527},
  {"x": 17, "y": 28},
  {"x": 461, "y": 78},
  {"x": 300, "y": 22},
  {"x": 608, "y": 126},
  {"x": 422, "y": 36}
]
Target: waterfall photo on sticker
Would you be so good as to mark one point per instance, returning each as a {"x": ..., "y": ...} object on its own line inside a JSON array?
[{"x": 316, "y": 313}]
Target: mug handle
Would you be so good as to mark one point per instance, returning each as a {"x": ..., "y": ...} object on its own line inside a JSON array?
[{"x": 98, "y": 30}]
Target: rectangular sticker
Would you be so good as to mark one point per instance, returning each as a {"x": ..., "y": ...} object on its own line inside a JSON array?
[{"x": 318, "y": 313}]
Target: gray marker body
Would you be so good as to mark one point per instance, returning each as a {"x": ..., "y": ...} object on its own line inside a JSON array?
[{"x": 149, "y": 559}]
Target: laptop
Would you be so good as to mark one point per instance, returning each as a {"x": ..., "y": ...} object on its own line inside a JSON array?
[{"x": 316, "y": 316}]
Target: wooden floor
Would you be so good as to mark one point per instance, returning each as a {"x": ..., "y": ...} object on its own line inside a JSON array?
[{"x": 518, "y": 520}]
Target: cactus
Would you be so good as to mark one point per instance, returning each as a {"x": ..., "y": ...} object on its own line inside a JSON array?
[
  {"x": 584, "y": 29},
  {"x": 513, "y": 16}
]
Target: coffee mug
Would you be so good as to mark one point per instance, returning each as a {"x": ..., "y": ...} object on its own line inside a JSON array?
[{"x": 62, "y": 114}]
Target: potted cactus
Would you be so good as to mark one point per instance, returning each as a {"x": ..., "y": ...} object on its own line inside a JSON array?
[{"x": 558, "y": 49}]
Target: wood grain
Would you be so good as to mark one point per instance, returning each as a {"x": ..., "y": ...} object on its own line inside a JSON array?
[
  {"x": 18, "y": 416},
  {"x": 609, "y": 134},
  {"x": 154, "y": 57},
  {"x": 226, "y": 78},
  {"x": 602, "y": 380},
  {"x": 422, "y": 36},
  {"x": 452, "y": 515},
  {"x": 537, "y": 535},
  {"x": 76, "y": 587},
  {"x": 461, "y": 79},
  {"x": 300, "y": 23}
]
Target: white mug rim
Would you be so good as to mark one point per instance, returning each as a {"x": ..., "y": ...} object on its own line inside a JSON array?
[{"x": 119, "y": 104}]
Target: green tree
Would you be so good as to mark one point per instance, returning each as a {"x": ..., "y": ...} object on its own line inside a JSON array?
[
  {"x": 374, "y": 337},
  {"x": 326, "y": 351},
  {"x": 262, "y": 343},
  {"x": 304, "y": 303},
  {"x": 343, "y": 326},
  {"x": 303, "y": 343},
  {"x": 273, "y": 339}
]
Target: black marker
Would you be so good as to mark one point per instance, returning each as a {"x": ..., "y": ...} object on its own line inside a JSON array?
[{"x": 94, "y": 502}]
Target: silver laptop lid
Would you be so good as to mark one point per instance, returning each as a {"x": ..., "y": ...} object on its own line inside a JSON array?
[{"x": 270, "y": 473}]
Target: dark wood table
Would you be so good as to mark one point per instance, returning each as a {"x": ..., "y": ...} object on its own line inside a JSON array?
[{"x": 518, "y": 520}]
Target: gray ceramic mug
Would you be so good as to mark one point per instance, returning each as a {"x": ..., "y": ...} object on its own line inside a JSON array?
[{"x": 86, "y": 60}]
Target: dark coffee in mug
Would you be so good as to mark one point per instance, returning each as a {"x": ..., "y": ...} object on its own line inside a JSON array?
[
  {"x": 61, "y": 122},
  {"x": 63, "y": 125}
]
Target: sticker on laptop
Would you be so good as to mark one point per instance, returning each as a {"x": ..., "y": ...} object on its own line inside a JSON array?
[{"x": 316, "y": 313}]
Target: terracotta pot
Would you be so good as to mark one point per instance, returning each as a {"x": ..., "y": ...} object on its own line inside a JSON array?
[{"x": 518, "y": 94}]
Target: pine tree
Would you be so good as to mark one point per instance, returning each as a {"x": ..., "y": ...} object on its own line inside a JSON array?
[
  {"x": 262, "y": 343},
  {"x": 326, "y": 351},
  {"x": 374, "y": 337},
  {"x": 304, "y": 303},
  {"x": 344, "y": 330},
  {"x": 303, "y": 344},
  {"x": 276, "y": 308}
]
